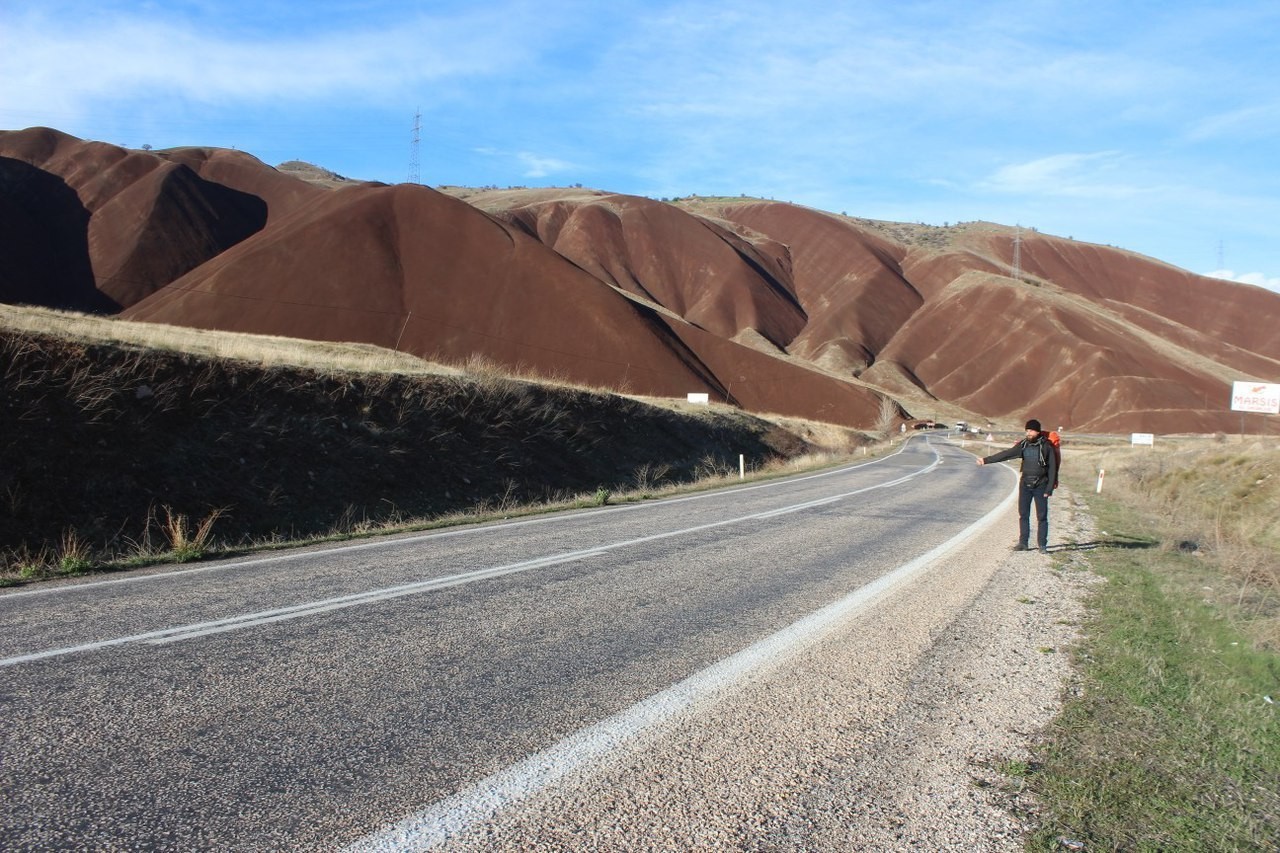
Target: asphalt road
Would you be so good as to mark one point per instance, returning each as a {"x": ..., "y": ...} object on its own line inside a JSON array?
[{"x": 385, "y": 693}]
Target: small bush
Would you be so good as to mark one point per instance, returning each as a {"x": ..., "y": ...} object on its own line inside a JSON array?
[
  {"x": 74, "y": 556},
  {"x": 185, "y": 546}
]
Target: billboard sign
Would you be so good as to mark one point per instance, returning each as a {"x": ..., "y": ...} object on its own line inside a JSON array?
[{"x": 1255, "y": 397}]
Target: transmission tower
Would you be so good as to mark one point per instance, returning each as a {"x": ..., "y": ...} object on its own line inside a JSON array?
[
  {"x": 414, "y": 176},
  {"x": 1017, "y": 253}
]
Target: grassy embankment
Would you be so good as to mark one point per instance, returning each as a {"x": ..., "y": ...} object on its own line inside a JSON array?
[
  {"x": 127, "y": 444},
  {"x": 1172, "y": 741}
]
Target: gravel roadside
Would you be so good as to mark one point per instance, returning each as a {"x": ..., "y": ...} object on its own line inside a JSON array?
[{"x": 893, "y": 734}]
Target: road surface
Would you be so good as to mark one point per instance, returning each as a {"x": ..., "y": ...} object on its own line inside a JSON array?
[{"x": 438, "y": 689}]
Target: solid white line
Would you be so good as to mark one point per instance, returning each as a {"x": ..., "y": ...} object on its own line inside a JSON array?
[
  {"x": 250, "y": 619},
  {"x": 245, "y": 620},
  {"x": 437, "y": 534},
  {"x": 589, "y": 748}
]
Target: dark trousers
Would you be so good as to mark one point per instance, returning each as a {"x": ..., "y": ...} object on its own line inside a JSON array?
[{"x": 1026, "y": 495}]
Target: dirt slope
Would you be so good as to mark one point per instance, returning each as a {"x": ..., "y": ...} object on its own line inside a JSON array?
[{"x": 100, "y": 438}]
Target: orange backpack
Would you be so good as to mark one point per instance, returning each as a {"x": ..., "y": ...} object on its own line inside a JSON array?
[{"x": 1055, "y": 441}]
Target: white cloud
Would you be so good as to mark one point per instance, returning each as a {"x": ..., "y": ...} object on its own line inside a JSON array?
[
  {"x": 1145, "y": 129},
  {"x": 537, "y": 166},
  {"x": 74, "y": 65},
  {"x": 1255, "y": 278},
  {"x": 1098, "y": 175},
  {"x": 1249, "y": 122},
  {"x": 531, "y": 165}
]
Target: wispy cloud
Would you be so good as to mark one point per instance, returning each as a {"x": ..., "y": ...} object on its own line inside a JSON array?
[
  {"x": 75, "y": 63},
  {"x": 1255, "y": 278},
  {"x": 1099, "y": 175},
  {"x": 1254, "y": 122},
  {"x": 537, "y": 166},
  {"x": 529, "y": 164}
]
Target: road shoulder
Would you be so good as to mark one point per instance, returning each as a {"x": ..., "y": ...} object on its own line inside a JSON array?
[{"x": 903, "y": 729}]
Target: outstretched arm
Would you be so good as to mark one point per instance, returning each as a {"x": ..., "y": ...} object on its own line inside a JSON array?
[{"x": 1011, "y": 453}]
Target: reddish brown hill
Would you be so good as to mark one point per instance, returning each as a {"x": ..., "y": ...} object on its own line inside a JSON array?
[
  {"x": 1091, "y": 338},
  {"x": 44, "y": 250},
  {"x": 848, "y": 280},
  {"x": 1137, "y": 286},
  {"x": 1129, "y": 343},
  {"x": 133, "y": 221},
  {"x": 1069, "y": 361},
  {"x": 700, "y": 271},
  {"x": 774, "y": 307},
  {"x": 408, "y": 268},
  {"x": 236, "y": 170}
]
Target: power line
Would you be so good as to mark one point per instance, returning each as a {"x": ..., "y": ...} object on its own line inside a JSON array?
[{"x": 1017, "y": 253}]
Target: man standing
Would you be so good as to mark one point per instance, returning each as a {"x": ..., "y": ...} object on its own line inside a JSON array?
[{"x": 1039, "y": 474}]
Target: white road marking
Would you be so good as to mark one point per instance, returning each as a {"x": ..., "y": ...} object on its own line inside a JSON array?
[
  {"x": 591, "y": 747},
  {"x": 435, "y": 534},
  {"x": 245, "y": 620}
]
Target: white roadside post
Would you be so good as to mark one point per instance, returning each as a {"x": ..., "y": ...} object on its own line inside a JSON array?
[
  {"x": 1102, "y": 472},
  {"x": 742, "y": 466}
]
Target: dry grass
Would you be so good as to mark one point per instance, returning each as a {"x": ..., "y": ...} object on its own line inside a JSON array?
[
  {"x": 186, "y": 544},
  {"x": 265, "y": 350},
  {"x": 365, "y": 360},
  {"x": 1217, "y": 499}
]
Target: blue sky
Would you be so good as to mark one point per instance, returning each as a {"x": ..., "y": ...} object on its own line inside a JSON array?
[{"x": 1153, "y": 126}]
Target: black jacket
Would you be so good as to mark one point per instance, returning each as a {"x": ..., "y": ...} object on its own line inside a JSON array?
[{"x": 1039, "y": 462}]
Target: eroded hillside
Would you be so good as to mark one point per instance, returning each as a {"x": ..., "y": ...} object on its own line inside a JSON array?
[{"x": 766, "y": 306}]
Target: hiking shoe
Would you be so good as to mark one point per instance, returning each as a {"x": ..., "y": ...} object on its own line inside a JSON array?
[
  {"x": 1021, "y": 547},
  {"x": 1044, "y": 550}
]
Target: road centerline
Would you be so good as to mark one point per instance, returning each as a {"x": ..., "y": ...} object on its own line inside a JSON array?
[{"x": 247, "y": 620}]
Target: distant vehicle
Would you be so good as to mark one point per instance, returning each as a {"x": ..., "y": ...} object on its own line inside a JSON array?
[{"x": 961, "y": 426}]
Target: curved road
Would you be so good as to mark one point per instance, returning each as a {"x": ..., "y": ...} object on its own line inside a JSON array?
[{"x": 390, "y": 694}]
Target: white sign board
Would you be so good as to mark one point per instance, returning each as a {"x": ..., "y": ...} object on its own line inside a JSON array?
[
  {"x": 1144, "y": 438},
  {"x": 1255, "y": 397},
  {"x": 700, "y": 399}
]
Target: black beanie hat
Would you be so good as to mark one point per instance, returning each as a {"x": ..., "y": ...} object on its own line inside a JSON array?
[{"x": 1033, "y": 424}]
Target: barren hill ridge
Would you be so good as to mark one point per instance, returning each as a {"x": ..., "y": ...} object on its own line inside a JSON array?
[{"x": 769, "y": 306}]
